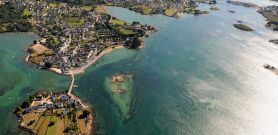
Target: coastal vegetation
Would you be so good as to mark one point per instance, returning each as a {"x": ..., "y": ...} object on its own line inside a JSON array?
[
  {"x": 170, "y": 12},
  {"x": 14, "y": 19},
  {"x": 49, "y": 113}
]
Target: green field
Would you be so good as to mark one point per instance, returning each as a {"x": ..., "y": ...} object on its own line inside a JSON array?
[
  {"x": 53, "y": 5},
  {"x": 27, "y": 12},
  {"x": 38, "y": 124},
  {"x": 75, "y": 21},
  {"x": 169, "y": 12},
  {"x": 126, "y": 31},
  {"x": 146, "y": 10},
  {"x": 117, "y": 22},
  {"x": 43, "y": 128},
  {"x": 52, "y": 130},
  {"x": 87, "y": 8}
]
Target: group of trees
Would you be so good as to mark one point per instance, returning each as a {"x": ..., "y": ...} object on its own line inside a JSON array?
[{"x": 12, "y": 19}]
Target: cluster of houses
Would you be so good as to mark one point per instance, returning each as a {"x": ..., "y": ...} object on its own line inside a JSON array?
[
  {"x": 50, "y": 101},
  {"x": 76, "y": 34},
  {"x": 159, "y": 6}
]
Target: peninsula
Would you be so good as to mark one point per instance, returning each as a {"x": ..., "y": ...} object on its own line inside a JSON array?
[
  {"x": 72, "y": 36},
  {"x": 48, "y": 113}
]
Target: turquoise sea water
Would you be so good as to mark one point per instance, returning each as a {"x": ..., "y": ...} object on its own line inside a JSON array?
[{"x": 196, "y": 75}]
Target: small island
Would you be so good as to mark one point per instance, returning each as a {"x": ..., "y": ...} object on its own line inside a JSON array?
[
  {"x": 243, "y": 27},
  {"x": 271, "y": 68},
  {"x": 119, "y": 86},
  {"x": 274, "y": 41},
  {"x": 48, "y": 113}
]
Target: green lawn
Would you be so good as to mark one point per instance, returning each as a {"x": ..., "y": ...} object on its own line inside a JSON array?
[
  {"x": 43, "y": 128},
  {"x": 146, "y": 10},
  {"x": 126, "y": 31},
  {"x": 75, "y": 21},
  {"x": 52, "y": 130},
  {"x": 53, "y": 5},
  {"x": 169, "y": 12},
  {"x": 87, "y": 8},
  {"x": 117, "y": 22},
  {"x": 110, "y": 4},
  {"x": 27, "y": 12}
]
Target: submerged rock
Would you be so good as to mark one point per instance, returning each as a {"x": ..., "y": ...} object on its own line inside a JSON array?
[
  {"x": 231, "y": 11},
  {"x": 243, "y": 27}
]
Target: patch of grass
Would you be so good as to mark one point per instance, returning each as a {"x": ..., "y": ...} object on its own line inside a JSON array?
[
  {"x": 81, "y": 123},
  {"x": 27, "y": 12},
  {"x": 53, "y": 5},
  {"x": 146, "y": 10},
  {"x": 100, "y": 9},
  {"x": 170, "y": 12},
  {"x": 38, "y": 124},
  {"x": 109, "y": 4},
  {"x": 52, "y": 129},
  {"x": 43, "y": 128},
  {"x": 87, "y": 8},
  {"x": 118, "y": 22},
  {"x": 126, "y": 31},
  {"x": 75, "y": 21}
]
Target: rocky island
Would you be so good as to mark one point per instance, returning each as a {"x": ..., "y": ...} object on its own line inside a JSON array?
[
  {"x": 242, "y": 27},
  {"x": 48, "y": 113},
  {"x": 271, "y": 68},
  {"x": 274, "y": 41}
]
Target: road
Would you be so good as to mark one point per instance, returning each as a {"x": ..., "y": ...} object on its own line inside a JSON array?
[{"x": 72, "y": 83}]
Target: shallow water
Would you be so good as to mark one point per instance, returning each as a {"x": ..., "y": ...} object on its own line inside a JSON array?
[{"x": 19, "y": 79}]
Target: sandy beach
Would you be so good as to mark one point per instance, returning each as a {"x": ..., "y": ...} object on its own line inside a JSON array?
[{"x": 94, "y": 60}]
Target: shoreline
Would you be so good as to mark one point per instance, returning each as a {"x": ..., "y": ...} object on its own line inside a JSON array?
[
  {"x": 106, "y": 51},
  {"x": 82, "y": 69}
]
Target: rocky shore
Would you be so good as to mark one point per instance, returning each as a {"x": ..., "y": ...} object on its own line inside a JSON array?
[{"x": 271, "y": 14}]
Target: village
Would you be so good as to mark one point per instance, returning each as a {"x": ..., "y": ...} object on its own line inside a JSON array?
[
  {"x": 165, "y": 7},
  {"x": 55, "y": 113},
  {"x": 74, "y": 35}
]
